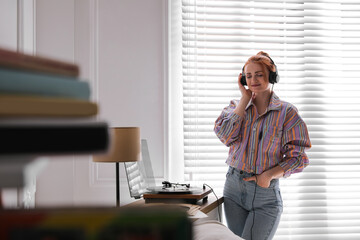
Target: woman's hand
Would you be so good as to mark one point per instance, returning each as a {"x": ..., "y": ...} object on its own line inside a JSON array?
[
  {"x": 263, "y": 180},
  {"x": 246, "y": 94}
]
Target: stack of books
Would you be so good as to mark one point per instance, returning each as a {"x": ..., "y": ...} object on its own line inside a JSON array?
[
  {"x": 45, "y": 108},
  {"x": 37, "y": 86}
]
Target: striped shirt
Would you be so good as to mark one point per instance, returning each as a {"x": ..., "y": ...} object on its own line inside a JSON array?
[{"x": 260, "y": 142}]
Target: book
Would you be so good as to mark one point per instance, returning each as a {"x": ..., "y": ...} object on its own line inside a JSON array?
[
  {"x": 46, "y": 137},
  {"x": 22, "y": 82},
  {"x": 21, "y": 61},
  {"x": 28, "y": 106},
  {"x": 96, "y": 223}
]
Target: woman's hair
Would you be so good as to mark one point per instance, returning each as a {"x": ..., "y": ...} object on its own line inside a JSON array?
[{"x": 263, "y": 59}]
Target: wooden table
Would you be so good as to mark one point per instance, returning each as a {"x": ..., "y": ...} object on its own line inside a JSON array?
[{"x": 205, "y": 206}]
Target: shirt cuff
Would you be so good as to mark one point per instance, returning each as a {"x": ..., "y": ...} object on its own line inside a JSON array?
[{"x": 287, "y": 169}]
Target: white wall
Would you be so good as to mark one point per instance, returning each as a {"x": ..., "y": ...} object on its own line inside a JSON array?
[
  {"x": 121, "y": 49},
  {"x": 8, "y": 24}
]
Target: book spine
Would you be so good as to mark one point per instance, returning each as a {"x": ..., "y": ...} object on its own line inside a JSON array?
[
  {"x": 30, "y": 83},
  {"x": 53, "y": 139},
  {"x": 32, "y": 106},
  {"x": 11, "y": 59}
]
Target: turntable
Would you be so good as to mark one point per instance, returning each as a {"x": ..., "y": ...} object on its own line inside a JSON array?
[{"x": 176, "y": 193}]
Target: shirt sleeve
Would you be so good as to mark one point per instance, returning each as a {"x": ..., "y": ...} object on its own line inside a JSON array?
[
  {"x": 295, "y": 141},
  {"x": 228, "y": 124}
]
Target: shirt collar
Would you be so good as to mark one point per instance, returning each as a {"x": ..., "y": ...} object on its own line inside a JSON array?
[{"x": 274, "y": 103}]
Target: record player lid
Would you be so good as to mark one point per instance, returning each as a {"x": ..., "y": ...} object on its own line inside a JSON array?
[{"x": 140, "y": 174}]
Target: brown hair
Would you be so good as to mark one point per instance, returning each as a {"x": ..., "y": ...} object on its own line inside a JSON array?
[{"x": 263, "y": 59}]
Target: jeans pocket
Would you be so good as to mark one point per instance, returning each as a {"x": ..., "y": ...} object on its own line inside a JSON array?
[
  {"x": 278, "y": 193},
  {"x": 265, "y": 188},
  {"x": 228, "y": 172}
]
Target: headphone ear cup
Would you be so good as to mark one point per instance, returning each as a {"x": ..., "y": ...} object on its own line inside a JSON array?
[
  {"x": 273, "y": 77},
  {"x": 243, "y": 80}
]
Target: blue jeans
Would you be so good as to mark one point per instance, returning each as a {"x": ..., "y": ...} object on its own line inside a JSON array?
[{"x": 248, "y": 217}]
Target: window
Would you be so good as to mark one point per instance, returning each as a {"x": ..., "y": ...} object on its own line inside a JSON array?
[{"x": 316, "y": 47}]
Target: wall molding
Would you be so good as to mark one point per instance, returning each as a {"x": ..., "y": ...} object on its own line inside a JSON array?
[
  {"x": 26, "y": 44},
  {"x": 26, "y": 27},
  {"x": 95, "y": 180}
]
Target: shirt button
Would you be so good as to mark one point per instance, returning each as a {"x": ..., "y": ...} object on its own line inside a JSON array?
[{"x": 254, "y": 129}]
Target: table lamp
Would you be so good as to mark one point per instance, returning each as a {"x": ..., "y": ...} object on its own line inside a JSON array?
[{"x": 124, "y": 147}]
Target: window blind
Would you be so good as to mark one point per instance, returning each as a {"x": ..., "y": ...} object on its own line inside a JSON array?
[{"x": 316, "y": 47}]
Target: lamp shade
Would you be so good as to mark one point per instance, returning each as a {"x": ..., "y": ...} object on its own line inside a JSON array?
[{"x": 124, "y": 146}]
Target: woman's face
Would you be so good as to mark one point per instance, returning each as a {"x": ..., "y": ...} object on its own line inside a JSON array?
[{"x": 256, "y": 78}]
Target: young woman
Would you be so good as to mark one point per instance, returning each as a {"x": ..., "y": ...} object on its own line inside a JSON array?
[{"x": 267, "y": 140}]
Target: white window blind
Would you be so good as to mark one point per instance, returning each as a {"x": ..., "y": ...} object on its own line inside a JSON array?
[{"x": 316, "y": 47}]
